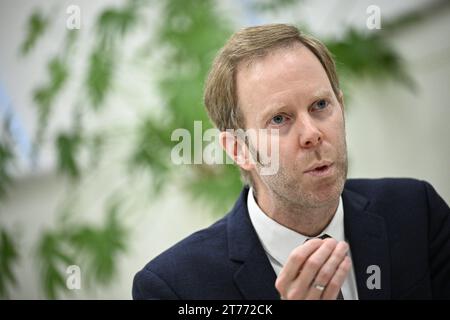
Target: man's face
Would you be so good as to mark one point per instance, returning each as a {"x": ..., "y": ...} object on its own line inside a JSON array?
[{"x": 289, "y": 90}]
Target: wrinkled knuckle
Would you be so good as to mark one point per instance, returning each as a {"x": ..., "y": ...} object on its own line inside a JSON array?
[
  {"x": 293, "y": 294},
  {"x": 325, "y": 274},
  {"x": 299, "y": 257},
  {"x": 313, "y": 263},
  {"x": 334, "y": 260},
  {"x": 334, "y": 285},
  {"x": 296, "y": 255},
  {"x": 279, "y": 283},
  {"x": 347, "y": 266},
  {"x": 331, "y": 243},
  {"x": 345, "y": 246}
]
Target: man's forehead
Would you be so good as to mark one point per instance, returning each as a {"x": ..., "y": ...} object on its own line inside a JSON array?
[
  {"x": 296, "y": 66},
  {"x": 268, "y": 53},
  {"x": 262, "y": 80}
]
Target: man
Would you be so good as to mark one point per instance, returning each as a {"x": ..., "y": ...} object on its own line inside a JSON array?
[{"x": 303, "y": 232}]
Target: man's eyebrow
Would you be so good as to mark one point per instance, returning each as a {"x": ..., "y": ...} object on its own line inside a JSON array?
[
  {"x": 321, "y": 93},
  {"x": 272, "y": 108}
]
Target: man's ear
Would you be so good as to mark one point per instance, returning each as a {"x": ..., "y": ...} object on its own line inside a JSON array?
[{"x": 236, "y": 150}]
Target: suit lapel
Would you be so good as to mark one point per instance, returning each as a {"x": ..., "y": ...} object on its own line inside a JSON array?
[
  {"x": 367, "y": 236},
  {"x": 255, "y": 277}
]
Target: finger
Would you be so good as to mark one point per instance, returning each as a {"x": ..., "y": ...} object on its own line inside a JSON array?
[
  {"x": 328, "y": 270},
  {"x": 295, "y": 261},
  {"x": 300, "y": 286},
  {"x": 334, "y": 286}
]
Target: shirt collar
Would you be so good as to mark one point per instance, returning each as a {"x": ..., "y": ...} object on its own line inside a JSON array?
[{"x": 277, "y": 240}]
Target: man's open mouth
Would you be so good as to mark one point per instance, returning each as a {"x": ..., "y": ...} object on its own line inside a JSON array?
[{"x": 320, "y": 171}]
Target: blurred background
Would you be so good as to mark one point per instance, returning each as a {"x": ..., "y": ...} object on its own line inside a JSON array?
[{"x": 91, "y": 91}]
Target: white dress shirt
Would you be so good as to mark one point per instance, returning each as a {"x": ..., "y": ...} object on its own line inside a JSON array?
[{"x": 278, "y": 241}]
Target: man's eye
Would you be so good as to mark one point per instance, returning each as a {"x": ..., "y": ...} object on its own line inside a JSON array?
[
  {"x": 321, "y": 104},
  {"x": 278, "y": 119}
]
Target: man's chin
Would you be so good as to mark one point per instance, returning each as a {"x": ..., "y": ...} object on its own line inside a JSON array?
[{"x": 324, "y": 193}]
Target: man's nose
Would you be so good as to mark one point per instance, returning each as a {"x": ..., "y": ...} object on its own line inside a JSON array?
[{"x": 309, "y": 134}]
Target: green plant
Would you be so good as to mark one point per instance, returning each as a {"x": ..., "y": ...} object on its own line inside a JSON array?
[
  {"x": 188, "y": 35},
  {"x": 8, "y": 257},
  {"x": 94, "y": 248}
]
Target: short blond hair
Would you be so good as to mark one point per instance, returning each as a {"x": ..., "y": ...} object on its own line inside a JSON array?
[{"x": 247, "y": 45}]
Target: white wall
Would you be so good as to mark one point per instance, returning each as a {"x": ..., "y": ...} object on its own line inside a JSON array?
[{"x": 393, "y": 131}]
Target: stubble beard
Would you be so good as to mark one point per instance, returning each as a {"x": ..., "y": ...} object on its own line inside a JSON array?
[{"x": 294, "y": 191}]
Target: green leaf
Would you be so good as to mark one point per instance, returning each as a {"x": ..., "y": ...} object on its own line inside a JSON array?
[
  {"x": 9, "y": 255},
  {"x": 54, "y": 258},
  {"x": 368, "y": 56},
  {"x": 94, "y": 249},
  {"x": 272, "y": 5},
  {"x": 116, "y": 22},
  {"x": 68, "y": 146},
  {"x": 100, "y": 246},
  {"x": 152, "y": 151},
  {"x": 45, "y": 95},
  {"x": 99, "y": 75},
  {"x": 6, "y": 159},
  {"x": 216, "y": 186},
  {"x": 36, "y": 26}
]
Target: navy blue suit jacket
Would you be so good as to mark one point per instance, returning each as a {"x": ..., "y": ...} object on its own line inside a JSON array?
[{"x": 400, "y": 225}]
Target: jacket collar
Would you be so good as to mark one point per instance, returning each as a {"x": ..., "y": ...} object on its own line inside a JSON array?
[{"x": 255, "y": 277}]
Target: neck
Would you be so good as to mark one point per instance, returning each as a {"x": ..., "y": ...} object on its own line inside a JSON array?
[{"x": 309, "y": 221}]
